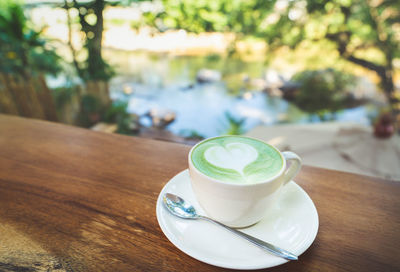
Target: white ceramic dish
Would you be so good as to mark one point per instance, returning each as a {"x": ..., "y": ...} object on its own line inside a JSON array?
[{"x": 291, "y": 224}]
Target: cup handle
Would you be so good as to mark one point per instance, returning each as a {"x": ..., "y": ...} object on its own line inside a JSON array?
[{"x": 294, "y": 167}]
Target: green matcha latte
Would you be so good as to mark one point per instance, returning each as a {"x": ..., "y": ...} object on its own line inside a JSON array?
[{"x": 237, "y": 159}]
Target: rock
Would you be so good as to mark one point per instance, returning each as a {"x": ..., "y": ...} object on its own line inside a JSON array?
[
  {"x": 161, "y": 118},
  {"x": 105, "y": 127},
  {"x": 258, "y": 83},
  {"x": 208, "y": 75}
]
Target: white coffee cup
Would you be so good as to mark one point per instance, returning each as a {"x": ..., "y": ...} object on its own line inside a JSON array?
[{"x": 241, "y": 205}]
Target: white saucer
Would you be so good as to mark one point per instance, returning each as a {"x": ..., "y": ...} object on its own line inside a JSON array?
[{"x": 292, "y": 225}]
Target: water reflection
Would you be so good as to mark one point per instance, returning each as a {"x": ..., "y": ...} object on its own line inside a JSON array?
[{"x": 162, "y": 82}]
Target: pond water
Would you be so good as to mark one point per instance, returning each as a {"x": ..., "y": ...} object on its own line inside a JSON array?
[{"x": 168, "y": 83}]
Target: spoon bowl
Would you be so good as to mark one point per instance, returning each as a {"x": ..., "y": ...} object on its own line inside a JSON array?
[{"x": 179, "y": 207}]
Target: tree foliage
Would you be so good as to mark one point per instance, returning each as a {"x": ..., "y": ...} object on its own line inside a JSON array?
[
  {"x": 91, "y": 21},
  {"x": 364, "y": 32},
  {"x": 323, "y": 89},
  {"x": 208, "y": 15},
  {"x": 22, "y": 49}
]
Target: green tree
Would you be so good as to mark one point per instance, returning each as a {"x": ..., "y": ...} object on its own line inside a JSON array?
[
  {"x": 210, "y": 15},
  {"x": 22, "y": 49},
  {"x": 90, "y": 13},
  {"x": 364, "y": 32},
  {"x": 323, "y": 90}
]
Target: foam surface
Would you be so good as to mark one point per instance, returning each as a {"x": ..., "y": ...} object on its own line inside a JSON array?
[{"x": 237, "y": 159}]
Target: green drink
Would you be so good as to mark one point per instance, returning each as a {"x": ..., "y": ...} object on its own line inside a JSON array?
[{"x": 237, "y": 159}]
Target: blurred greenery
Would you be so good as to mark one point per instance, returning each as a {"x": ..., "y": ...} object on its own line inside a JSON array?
[
  {"x": 117, "y": 113},
  {"x": 63, "y": 95},
  {"x": 90, "y": 110},
  {"x": 23, "y": 51},
  {"x": 91, "y": 21},
  {"x": 210, "y": 15},
  {"x": 366, "y": 33},
  {"x": 235, "y": 124},
  {"x": 323, "y": 89},
  {"x": 191, "y": 134}
]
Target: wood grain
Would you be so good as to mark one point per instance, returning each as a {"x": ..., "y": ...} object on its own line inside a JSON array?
[{"x": 77, "y": 200}]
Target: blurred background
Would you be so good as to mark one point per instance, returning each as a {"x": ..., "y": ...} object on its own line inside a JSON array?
[{"x": 317, "y": 77}]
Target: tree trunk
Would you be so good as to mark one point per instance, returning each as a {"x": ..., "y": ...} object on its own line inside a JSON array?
[
  {"x": 385, "y": 74},
  {"x": 94, "y": 39},
  {"x": 96, "y": 68},
  {"x": 388, "y": 85},
  {"x": 73, "y": 51}
]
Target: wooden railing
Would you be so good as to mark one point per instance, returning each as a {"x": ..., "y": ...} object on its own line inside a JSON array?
[
  {"x": 26, "y": 97},
  {"x": 32, "y": 98}
]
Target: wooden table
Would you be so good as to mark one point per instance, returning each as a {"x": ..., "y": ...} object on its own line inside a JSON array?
[{"x": 77, "y": 200}]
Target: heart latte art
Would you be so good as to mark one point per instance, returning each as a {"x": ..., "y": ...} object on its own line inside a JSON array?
[{"x": 237, "y": 159}]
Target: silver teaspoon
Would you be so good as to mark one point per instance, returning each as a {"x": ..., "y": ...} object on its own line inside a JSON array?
[{"x": 177, "y": 206}]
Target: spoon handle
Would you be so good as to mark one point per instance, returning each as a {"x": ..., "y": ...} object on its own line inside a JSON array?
[{"x": 262, "y": 244}]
